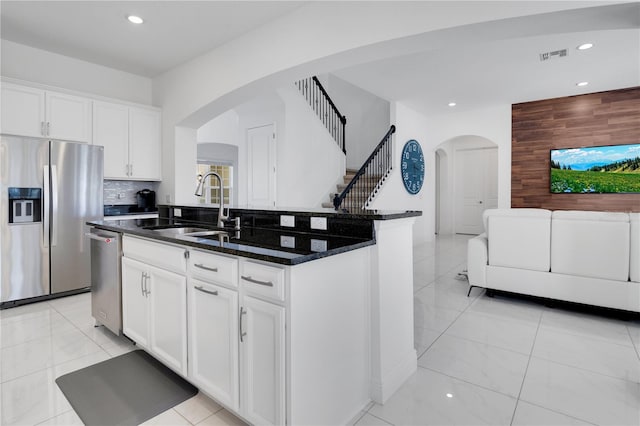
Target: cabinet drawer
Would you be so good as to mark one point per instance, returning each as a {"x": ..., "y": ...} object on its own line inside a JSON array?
[
  {"x": 213, "y": 268},
  {"x": 262, "y": 280},
  {"x": 162, "y": 255}
]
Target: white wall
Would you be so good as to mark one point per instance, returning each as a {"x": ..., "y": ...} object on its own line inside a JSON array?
[
  {"x": 367, "y": 117},
  {"x": 40, "y": 66},
  {"x": 493, "y": 124},
  {"x": 393, "y": 196},
  {"x": 310, "y": 163},
  {"x": 221, "y": 129}
]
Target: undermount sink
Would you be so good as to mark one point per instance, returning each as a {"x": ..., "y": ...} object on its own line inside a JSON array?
[
  {"x": 204, "y": 233},
  {"x": 178, "y": 231},
  {"x": 175, "y": 231}
]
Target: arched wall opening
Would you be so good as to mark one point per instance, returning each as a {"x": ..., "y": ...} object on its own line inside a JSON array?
[
  {"x": 467, "y": 183},
  {"x": 205, "y": 87}
]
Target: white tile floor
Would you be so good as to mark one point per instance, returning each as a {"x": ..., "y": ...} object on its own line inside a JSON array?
[{"x": 481, "y": 360}]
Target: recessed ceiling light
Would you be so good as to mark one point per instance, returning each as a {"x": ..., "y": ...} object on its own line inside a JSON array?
[
  {"x": 449, "y": 395},
  {"x": 582, "y": 83},
  {"x": 135, "y": 19},
  {"x": 585, "y": 46},
  {"x": 451, "y": 104}
]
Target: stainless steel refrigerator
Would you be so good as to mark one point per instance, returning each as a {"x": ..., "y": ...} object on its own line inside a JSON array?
[{"x": 48, "y": 191}]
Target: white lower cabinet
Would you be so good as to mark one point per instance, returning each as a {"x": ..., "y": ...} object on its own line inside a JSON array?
[
  {"x": 213, "y": 341},
  {"x": 262, "y": 354},
  {"x": 135, "y": 304},
  {"x": 272, "y": 343},
  {"x": 168, "y": 317},
  {"x": 236, "y": 340},
  {"x": 154, "y": 305}
]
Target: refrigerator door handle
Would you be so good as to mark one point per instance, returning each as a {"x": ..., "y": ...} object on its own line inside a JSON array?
[
  {"x": 54, "y": 205},
  {"x": 46, "y": 222}
]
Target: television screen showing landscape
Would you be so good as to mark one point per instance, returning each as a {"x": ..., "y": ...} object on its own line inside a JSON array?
[{"x": 597, "y": 169}]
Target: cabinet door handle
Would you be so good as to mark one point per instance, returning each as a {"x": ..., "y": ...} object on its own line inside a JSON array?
[
  {"x": 206, "y": 268},
  {"x": 202, "y": 289},
  {"x": 42, "y": 128},
  {"x": 253, "y": 280},
  {"x": 242, "y": 334},
  {"x": 130, "y": 169},
  {"x": 142, "y": 284},
  {"x": 48, "y": 128},
  {"x": 146, "y": 288}
]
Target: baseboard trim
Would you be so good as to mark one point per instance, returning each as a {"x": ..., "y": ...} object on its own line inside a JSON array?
[{"x": 381, "y": 391}]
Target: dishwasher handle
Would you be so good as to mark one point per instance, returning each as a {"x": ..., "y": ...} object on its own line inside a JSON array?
[{"x": 99, "y": 237}]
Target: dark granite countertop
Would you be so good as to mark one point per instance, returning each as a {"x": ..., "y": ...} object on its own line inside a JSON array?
[
  {"x": 307, "y": 212},
  {"x": 283, "y": 246}
]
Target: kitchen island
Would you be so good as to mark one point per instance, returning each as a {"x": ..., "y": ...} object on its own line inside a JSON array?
[{"x": 298, "y": 317}]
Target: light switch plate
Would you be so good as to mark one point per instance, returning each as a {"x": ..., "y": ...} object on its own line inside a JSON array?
[
  {"x": 289, "y": 221},
  {"x": 288, "y": 242},
  {"x": 319, "y": 223},
  {"x": 318, "y": 245}
]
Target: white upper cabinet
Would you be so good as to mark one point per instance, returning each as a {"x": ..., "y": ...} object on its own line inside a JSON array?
[
  {"x": 131, "y": 140},
  {"x": 144, "y": 144},
  {"x": 111, "y": 130},
  {"x": 22, "y": 110},
  {"x": 68, "y": 117},
  {"x": 28, "y": 111}
]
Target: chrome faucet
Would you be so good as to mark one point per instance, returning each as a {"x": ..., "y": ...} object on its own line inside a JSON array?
[{"x": 198, "y": 193}]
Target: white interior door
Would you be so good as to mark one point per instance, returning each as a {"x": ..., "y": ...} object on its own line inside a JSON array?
[
  {"x": 261, "y": 166},
  {"x": 476, "y": 187}
]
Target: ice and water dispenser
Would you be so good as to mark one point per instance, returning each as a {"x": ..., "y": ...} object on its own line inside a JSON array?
[{"x": 25, "y": 205}]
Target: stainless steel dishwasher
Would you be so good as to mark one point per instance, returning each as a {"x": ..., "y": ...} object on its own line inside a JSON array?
[{"x": 106, "y": 298}]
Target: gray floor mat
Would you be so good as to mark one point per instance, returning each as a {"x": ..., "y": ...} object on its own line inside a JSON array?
[{"x": 126, "y": 390}]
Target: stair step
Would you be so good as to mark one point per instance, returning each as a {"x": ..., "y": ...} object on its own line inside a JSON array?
[
  {"x": 342, "y": 187},
  {"x": 370, "y": 182}
]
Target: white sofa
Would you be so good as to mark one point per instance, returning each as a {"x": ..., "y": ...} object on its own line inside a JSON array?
[{"x": 577, "y": 256}]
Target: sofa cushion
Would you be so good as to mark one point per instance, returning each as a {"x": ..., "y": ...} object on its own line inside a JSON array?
[
  {"x": 634, "y": 258},
  {"x": 590, "y": 244},
  {"x": 519, "y": 238}
]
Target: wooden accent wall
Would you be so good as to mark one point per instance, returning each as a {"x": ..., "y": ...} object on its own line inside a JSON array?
[{"x": 605, "y": 118}]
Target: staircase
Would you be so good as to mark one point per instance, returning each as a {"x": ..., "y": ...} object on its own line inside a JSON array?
[
  {"x": 363, "y": 187},
  {"x": 340, "y": 187},
  {"x": 360, "y": 187}
]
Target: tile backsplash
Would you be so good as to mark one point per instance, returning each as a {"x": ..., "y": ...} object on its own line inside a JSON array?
[{"x": 124, "y": 191}]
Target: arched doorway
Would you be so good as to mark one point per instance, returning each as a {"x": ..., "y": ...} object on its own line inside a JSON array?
[{"x": 466, "y": 183}]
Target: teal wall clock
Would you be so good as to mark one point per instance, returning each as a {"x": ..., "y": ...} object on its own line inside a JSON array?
[{"x": 412, "y": 166}]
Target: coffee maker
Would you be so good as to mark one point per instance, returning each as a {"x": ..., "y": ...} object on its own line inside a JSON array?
[{"x": 146, "y": 200}]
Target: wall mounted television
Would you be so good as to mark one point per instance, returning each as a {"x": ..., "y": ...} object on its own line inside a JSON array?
[{"x": 596, "y": 169}]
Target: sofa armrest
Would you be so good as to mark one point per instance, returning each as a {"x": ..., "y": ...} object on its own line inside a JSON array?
[{"x": 477, "y": 256}]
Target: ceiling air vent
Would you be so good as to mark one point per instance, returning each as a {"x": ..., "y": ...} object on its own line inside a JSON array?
[{"x": 556, "y": 53}]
